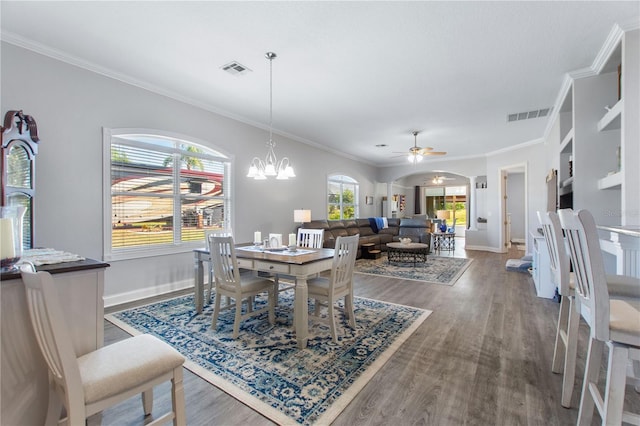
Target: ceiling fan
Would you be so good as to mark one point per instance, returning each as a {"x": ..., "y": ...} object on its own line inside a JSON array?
[{"x": 416, "y": 153}]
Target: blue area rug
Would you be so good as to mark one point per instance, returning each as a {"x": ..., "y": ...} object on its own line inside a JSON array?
[
  {"x": 264, "y": 369},
  {"x": 436, "y": 270}
]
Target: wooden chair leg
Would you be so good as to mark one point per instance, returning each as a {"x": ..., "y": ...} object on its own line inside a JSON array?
[
  {"x": 332, "y": 321},
  {"x": 177, "y": 398},
  {"x": 348, "y": 310},
  {"x": 591, "y": 372},
  {"x": 54, "y": 408},
  {"x": 216, "y": 312},
  {"x": 238, "y": 318},
  {"x": 615, "y": 387},
  {"x": 571, "y": 350},
  {"x": 147, "y": 401},
  {"x": 636, "y": 374},
  {"x": 559, "y": 350}
]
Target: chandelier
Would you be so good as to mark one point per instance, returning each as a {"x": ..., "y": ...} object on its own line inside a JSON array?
[{"x": 260, "y": 170}]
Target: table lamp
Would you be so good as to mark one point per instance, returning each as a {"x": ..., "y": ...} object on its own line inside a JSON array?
[{"x": 302, "y": 216}]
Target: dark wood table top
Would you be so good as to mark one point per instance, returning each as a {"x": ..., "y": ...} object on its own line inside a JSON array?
[{"x": 59, "y": 268}]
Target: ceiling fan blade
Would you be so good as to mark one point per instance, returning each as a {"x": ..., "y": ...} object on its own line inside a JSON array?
[{"x": 433, "y": 153}]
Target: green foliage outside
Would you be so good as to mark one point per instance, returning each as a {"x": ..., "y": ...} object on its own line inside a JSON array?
[
  {"x": 118, "y": 156},
  {"x": 190, "y": 162},
  {"x": 461, "y": 212},
  {"x": 348, "y": 207}
]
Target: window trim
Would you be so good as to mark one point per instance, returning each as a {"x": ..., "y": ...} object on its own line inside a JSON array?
[{"x": 177, "y": 247}]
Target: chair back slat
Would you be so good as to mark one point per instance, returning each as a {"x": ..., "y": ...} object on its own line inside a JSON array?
[
  {"x": 51, "y": 331},
  {"x": 586, "y": 257},
  {"x": 559, "y": 262},
  {"x": 310, "y": 238},
  {"x": 223, "y": 256},
  {"x": 344, "y": 260},
  {"x": 217, "y": 232}
]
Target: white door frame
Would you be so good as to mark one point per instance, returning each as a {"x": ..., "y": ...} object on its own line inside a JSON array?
[{"x": 502, "y": 185}]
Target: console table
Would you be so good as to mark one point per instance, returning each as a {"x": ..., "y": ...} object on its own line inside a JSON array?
[
  {"x": 444, "y": 241},
  {"x": 23, "y": 370}
]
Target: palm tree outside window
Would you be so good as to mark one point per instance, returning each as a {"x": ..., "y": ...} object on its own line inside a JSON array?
[{"x": 164, "y": 192}]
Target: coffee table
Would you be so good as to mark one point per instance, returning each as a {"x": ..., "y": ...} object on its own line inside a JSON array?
[{"x": 411, "y": 252}]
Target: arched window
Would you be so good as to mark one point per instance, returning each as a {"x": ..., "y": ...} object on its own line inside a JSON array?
[
  {"x": 343, "y": 197},
  {"x": 162, "y": 193}
]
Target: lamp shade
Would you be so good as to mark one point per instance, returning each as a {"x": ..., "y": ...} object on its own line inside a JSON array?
[
  {"x": 443, "y": 214},
  {"x": 302, "y": 216}
]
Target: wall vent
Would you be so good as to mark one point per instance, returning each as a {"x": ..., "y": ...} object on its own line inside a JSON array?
[
  {"x": 528, "y": 115},
  {"x": 235, "y": 68}
]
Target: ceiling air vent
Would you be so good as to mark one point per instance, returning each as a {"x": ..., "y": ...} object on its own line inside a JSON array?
[
  {"x": 235, "y": 68},
  {"x": 528, "y": 115}
]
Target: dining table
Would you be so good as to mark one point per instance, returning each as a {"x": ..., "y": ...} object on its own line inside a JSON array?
[{"x": 301, "y": 263}]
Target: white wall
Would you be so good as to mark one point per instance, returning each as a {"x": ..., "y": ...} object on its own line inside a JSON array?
[{"x": 71, "y": 105}]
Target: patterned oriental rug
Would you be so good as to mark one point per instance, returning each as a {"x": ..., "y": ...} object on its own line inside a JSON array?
[
  {"x": 264, "y": 369},
  {"x": 436, "y": 270}
]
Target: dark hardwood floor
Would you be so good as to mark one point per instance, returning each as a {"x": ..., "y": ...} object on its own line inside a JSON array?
[{"x": 483, "y": 357}]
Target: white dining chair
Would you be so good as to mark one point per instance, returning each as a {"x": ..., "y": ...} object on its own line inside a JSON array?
[
  {"x": 338, "y": 285},
  {"x": 207, "y": 235},
  {"x": 566, "y": 341},
  {"x": 614, "y": 322},
  {"x": 230, "y": 283},
  {"x": 313, "y": 238},
  {"x": 88, "y": 384}
]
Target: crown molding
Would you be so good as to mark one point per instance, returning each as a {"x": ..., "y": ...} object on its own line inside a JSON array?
[
  {"x": 612, "y": 41},
  {"x": 565, "y": 86},
  {"x": 608, "y": 47},
  {"x": 47, "y": 51}
]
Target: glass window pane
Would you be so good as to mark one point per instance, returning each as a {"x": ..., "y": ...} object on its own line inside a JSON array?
[
  {"x": 18, "y": 167},
  {"x": 21, "y": 199},
  {"x": 141, "y": 220},
  {"x": 207, "y": 178},
  {"x": 199, "y": 215},
  {"x": 135, "y": 169}
]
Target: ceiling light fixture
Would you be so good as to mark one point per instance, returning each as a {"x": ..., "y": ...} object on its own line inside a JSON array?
[
  {"x": 415, "y": 154},
  {"x": 260, "y": 170}
]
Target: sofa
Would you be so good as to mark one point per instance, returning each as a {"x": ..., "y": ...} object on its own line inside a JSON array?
[{"x": 419, "y": 230}]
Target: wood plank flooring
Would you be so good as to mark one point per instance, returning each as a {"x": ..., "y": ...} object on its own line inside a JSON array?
[{"x": 483, "y": 357}]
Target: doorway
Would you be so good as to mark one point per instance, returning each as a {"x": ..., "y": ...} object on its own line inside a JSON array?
[{"x": 513, "y": 206}]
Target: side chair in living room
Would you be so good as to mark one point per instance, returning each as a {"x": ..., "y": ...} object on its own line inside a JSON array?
[
  {"x": 339, "y": 284},
  {"x": 230, "y": 283},
  {"x": 566, "y": 342},
  {"x": 90, "y": 383},
  {"x": 615, "y": 323}
]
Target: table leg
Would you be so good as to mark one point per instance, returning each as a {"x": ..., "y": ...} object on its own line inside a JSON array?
[
  {"x": 301, "y": 312},
  {"x": 199, "y": 284}
]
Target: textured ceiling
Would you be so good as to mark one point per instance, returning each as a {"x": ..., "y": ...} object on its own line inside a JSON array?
[{"x": 349, "y": 75}]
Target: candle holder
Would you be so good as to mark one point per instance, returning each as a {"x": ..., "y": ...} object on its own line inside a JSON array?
[{"x": 10, "y": 236}]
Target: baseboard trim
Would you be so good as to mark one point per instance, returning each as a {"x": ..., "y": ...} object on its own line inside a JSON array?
[
  {"x": 484, "y": 248},
  {"x": 144, "y": 293}
]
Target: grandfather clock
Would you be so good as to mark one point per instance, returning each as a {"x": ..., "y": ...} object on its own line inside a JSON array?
[{"x": 19, "y": 149}]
